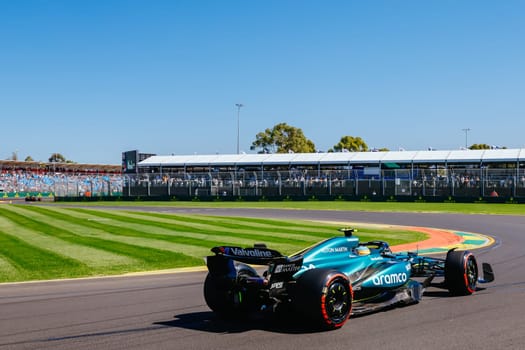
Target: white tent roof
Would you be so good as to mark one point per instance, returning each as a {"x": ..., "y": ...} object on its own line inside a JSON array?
[{"x": 453, "y": 156}]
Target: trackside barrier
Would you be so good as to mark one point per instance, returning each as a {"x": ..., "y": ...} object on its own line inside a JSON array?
[{"x": 476, "y": 185}]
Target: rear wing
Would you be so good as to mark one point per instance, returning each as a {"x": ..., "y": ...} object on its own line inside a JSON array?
[
  {"x": 258, "y": 255},
  {"x": 280, "y": 268}
]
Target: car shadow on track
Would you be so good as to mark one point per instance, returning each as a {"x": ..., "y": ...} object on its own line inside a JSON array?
[{"x": 209, "y": 322}]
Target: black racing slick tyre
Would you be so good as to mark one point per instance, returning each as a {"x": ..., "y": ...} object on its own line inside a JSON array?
[
  {"x": 226, "y": 297},
  {"x": 324, "y": 298},
  {"x": 461, "y": 272},
  {"x": 218, "y": 295}
]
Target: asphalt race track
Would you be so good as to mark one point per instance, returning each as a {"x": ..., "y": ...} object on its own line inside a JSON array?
[{"x": 167, "y": 311}]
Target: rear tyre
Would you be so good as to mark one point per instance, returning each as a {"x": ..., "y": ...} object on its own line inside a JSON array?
[
  {"x": 226, "y": 297},
  {"x": 218, "y": 295},
  {"x": 461, "y": 272},
  {"x": 324, "y": 297}
]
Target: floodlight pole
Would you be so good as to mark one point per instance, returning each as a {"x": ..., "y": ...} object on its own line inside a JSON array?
[
  {"x": 466, "y": 130},
  {"x": 239, "y": 105}
]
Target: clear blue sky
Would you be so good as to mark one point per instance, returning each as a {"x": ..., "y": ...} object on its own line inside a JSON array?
[{"x": 91, "y": 79}]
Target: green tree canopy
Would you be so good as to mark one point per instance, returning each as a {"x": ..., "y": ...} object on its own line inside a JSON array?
[
  {"x": 283, "y": 138},
  {"x": 29, "y": 159},
  {"x": 482, "y": 146},
  {"x": 479, "y": 146},
  {"x": 57, "y": 158},
  {"x": 351, "y": 144}
]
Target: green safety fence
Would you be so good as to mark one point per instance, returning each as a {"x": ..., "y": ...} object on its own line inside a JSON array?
[{"x": 6, "y": 195}]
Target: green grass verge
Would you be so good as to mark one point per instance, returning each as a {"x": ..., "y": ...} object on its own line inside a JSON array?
[
  {"x": 457, "y": 208},
  {"x": 47, "y": 242}
]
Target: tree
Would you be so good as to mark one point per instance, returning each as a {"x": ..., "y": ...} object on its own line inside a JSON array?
[
  {"x": 351, "y": 144},
  {"x": 29, "y": 159},
  {"x": 283, "y": 138},
  {"x": 479, "y": 146},
  {"x": 485, "y": 146},
  {"x": 57, "y": 158}
]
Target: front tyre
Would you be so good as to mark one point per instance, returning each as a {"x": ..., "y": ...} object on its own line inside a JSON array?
[
  {"x": 324, "y": 297},
  {"x": 461, "y": 272}
]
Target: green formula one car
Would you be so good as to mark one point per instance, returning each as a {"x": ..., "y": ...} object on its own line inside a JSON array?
[{"x": 333, "y": 279}]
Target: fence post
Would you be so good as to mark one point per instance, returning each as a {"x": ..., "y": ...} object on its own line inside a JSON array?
[
  {"x": 330, "y": 183},
  {"x": 280, "y": 183},
  {"x": 356, "y": 184},
  {"x": 514, "y": 182}
]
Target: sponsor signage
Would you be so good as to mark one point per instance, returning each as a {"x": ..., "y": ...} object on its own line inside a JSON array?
[
  {"x": 335, "y": 250},
  {"x": 249, "y": 252},
  {"x": 392, "y": 278},
  {"x": 277, "y": 285},
  {"x": 286, "y": 268}
]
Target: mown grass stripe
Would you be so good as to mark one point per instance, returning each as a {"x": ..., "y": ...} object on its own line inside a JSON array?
[
  {"x": 150, "y": 257},
  {"x": 7, "y": 271},
  {"x": 146, "y": 235},
  {"x": 394, "y": 236},
  {"x": 207, "y": 240},
  {"x": 292, "y": 225},
  {"x": 90, "y": 256},
  {"x": 29, "y": 259},
  {"x": 366, "y": 232},
  {"x": 290, "y": 228},
  {"x": 144, "y": 241},
  {"x": 254, "y": 236},
  {"x": 129, "y": 232}
]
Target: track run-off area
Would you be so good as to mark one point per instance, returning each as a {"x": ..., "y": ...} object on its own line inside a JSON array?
[{"x": 167, "y": 311}]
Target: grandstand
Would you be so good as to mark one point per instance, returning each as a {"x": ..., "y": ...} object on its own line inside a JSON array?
[
  {"x": 472, "y": 174},
  {"x": 20, "y": 179}
]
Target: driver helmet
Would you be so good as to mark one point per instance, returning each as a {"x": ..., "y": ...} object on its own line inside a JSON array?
[{"x": 362, "y": 250}]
